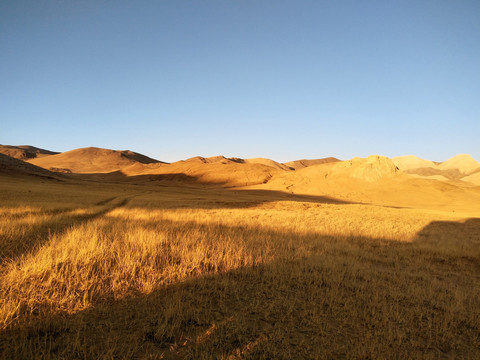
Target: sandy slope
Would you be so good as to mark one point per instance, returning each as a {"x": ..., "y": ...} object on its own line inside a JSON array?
[
  {"x": 463, "y": 162},
  {"x": 474, "y": 178},
  {"x": 370, "y": 169},
  {"x": 224, "y": 171},
  {"x": 375, "y": 180},
  {"x": 431, "y": 177},
  {"x": 210, "y": 160},
  {"x": 300, "y": 164},
  {"x": 455, "y": 168},
  {"x": 267, "y": 162},
  {"x": 91, "y": 160},
  {"x": 428, "y": 172},
  {"x": 223, "y": 160},
  {"x": 412, "y": 162},
  {"x": 24, "y": 152}
]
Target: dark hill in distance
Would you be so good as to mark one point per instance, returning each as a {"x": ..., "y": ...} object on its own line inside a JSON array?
[
  {"x": 12, "y": 166},
  {"x": 300, "y": 164},
  {"x": 25, "y": 152}
]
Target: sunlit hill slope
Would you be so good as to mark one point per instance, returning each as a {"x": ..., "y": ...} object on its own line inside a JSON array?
[
  {"x": 400, "y": 181},
  {"x": 91, "y": 160}
]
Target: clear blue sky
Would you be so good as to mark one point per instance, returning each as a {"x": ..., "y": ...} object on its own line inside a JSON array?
[{"x": 247, "y": 78}]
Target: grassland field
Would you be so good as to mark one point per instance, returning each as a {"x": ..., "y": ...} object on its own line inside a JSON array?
[{"x": 121, "y": 271}]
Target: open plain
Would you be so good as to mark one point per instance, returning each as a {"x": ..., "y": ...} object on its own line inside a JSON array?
[{"x": 230, "y": 258}]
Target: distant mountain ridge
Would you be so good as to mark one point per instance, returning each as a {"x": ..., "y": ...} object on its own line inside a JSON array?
[
  {"x": 459, "y": 167},
  {"x": 454, "y": 183},
  {"x": 237, "y": 171}
]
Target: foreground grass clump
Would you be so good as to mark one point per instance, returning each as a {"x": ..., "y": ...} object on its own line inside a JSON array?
[{"x": 202, "y": 273}]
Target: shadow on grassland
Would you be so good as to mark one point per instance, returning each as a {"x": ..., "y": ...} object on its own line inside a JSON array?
[
  {"x": 186, "y": 184},
  {"x": 453, "y": 244},
  {"x": 447, "y": 233},
  {"x": 221, "y": 198},
  {"x": 59, "y": 221},
  {"x": 171, "y": 190},
  {"x": 173, "y": 196},
  {"x": 338, "y": 298}
]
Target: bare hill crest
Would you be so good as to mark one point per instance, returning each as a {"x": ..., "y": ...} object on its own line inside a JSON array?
[
  {"x": 462, "y": 162},
  {"x": 300, "y": 164},
  {"x": 92, "y": 160},
  {"x": 212, "y": 170},
  {"x": 370, "y": 169},
  {"x": 375, "y": 180},
  {"x": 455, "y": 168},
  {"x": 412, "y": 162}
]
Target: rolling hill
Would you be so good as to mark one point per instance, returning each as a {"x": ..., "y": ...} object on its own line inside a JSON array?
[
  {"x": 474, "y": 178},
  {"x": 91, "y": 160},
  {"x": 455, "y": 168},
  {"x": 377, "y": 179},
  {"x": 464, "y": 163},
  {"x": 409, "y": 162},
  {"x": 374, "y": 180},
  {"x": 213, "y": 170},
  {"x": 300, "y": 164}
]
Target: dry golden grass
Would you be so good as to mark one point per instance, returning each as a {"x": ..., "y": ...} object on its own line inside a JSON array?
[{"x": 116, "y": 271}]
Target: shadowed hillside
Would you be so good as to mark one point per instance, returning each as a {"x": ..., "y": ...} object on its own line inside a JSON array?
[
  {"x": 13, "y": 166},
  {"x": 24, "y": 152}
]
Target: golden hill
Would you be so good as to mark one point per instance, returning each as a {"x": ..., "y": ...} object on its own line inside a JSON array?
[
  {"x": 267, "y": 162},
  {"x": 455, "y": 168},
  {"x": 428, "y": 173},
  {"x": 300, "y": 164},
  {"x": 223, "y": 160},
  {"x": 462, "y": 162},
  {"x": 412, "y": 162},
  {"x": 474, "y": 178},
  {"x": 214, "y": 170},
  {"x": 91, "y": 160},
  {"x": 374, "y": 180}
]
